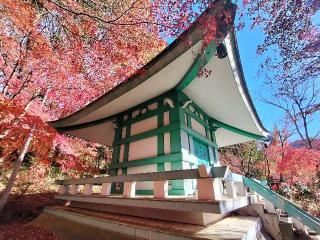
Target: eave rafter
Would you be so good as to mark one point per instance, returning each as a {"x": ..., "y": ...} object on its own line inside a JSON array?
[{"x": 200, "y": 62}]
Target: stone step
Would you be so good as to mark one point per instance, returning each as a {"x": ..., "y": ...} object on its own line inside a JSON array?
[
  {"x": 74, "y": 223},
  {"x": 286, "y": 229},
  {"x": 184, "y": 210}
]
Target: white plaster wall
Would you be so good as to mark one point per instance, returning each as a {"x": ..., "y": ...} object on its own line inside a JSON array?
[
  {"x": 212, "y": 161},
  {"x": 121, "y": 153},
  {"x": 153, "y": 106},
  {"x": 187, "y": 155},
  {"x": 167, "y": 148},
  {"x": 211, "y": 155},
  {"x": 189, "y": 161},
  {"x": 166, "y": 119},
  {"x": 119, "y": 172},
  {"x": 196, "y": 126},
  {"x": 145, "y": 125},
  {"x": 135, "y": 113},
  {"x": 189, "y": 184},
  {"x": 143, "y": 148},
  {"x": 143, "y": 169},
  {"x": 184, "y": 145},
  {"x": 123, "y": 134},
  {"x": 167, "y": 166}
]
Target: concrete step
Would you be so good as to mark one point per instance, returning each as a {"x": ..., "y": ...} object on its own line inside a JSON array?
[{"x": 75, "y": 223}]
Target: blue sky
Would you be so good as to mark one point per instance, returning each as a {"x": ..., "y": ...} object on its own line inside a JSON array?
[{"x": 248, "y": 41}]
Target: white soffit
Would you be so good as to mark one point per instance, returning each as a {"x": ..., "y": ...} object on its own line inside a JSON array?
[
  {"x": 226, "y": 138},
  {"x": 222, "y": 96},
  {"x": 161, "y": 82},
  {"x": 102, "y": 133}
]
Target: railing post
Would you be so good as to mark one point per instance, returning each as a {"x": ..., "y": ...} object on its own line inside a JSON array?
[
  {"x": 269, "y": 206},
  {"x": 87, "y": 189},
  {"x": 241, "y": 189},
  {"x": 63, "y": 189},
  {"x": 299, "y": 225},
  {"x": 105, "y": 189},
  {"x": 129, "y": 189},
  {"x": 208, "y": 187},
  {"x": 231, "y": 189},
  {"x": 73, "y": 189},
  {"x": 160, "y": 189}
]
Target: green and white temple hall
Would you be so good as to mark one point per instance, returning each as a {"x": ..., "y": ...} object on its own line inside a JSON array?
[
  {"x": 170, "y": 117},
  {"x": 165, "y": 125}
]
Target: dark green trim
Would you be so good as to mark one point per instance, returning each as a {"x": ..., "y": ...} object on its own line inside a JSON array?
[
  {"x": 151, "y": 133},
  {"x": 117, "y": 137},
  {"x": 148, "y": 161},
  {"x": 200, "y": 62},
  {"x": 160, "y": 167},
  {"x": 126, "y": 145},
  {"x": 144, "y": 192},
  {"x": 175, "y": 119},
  {"x": 160, "y": 125},
  {"x": 174, "y": 192},
  {"x": 176, "y": 184},
  {"x": 160, "y": 144},
  {"x": 160, "y": 147},
  {"x": 238, "y": 130}
]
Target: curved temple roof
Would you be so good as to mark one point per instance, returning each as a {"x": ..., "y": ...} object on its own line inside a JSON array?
[{"x": 223, "y": 95}]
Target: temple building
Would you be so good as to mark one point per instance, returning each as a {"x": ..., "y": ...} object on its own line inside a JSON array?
[{"x": 170, "y": 116}]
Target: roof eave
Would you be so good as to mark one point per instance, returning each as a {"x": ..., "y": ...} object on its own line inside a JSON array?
[{"x": 184, "y": 42}]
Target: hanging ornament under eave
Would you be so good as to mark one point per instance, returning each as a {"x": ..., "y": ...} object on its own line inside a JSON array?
[{"x": 222, "y": 51}]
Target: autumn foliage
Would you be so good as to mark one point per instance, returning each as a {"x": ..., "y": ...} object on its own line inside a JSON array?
[
  {"x": 293, "y": 171},
  {"x": 296, "y": 165}
]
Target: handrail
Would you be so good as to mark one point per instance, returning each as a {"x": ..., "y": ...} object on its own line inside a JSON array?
[
  {"x": 216, "y": 172},
  {"x": 284, "y": 204}
]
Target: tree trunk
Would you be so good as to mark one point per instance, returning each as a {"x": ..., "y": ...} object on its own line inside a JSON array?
[{"x": 16, "y": 167}]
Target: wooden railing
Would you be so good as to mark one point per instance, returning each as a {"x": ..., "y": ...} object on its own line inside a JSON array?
[
  {"x": 209, "y": 183},
  {"x": 209, "y": 187}
]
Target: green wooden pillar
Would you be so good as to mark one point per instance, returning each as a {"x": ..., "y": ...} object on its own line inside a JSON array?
[
  {"x": 160, "y": 137},
  {"x": 116, "y": 148},
  {"x": 176, "y": 115}
]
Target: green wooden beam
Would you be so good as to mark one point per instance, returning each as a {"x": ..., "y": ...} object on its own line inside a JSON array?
[
  {"x": 150, "y": 133},
  {"x": 147, "y": 161},
  {"x": 160, "y": 145},
  {"x": 199, "y": 137},
  {"x": 201, "y": 60},
  {"x": 238, "y": 130}
]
